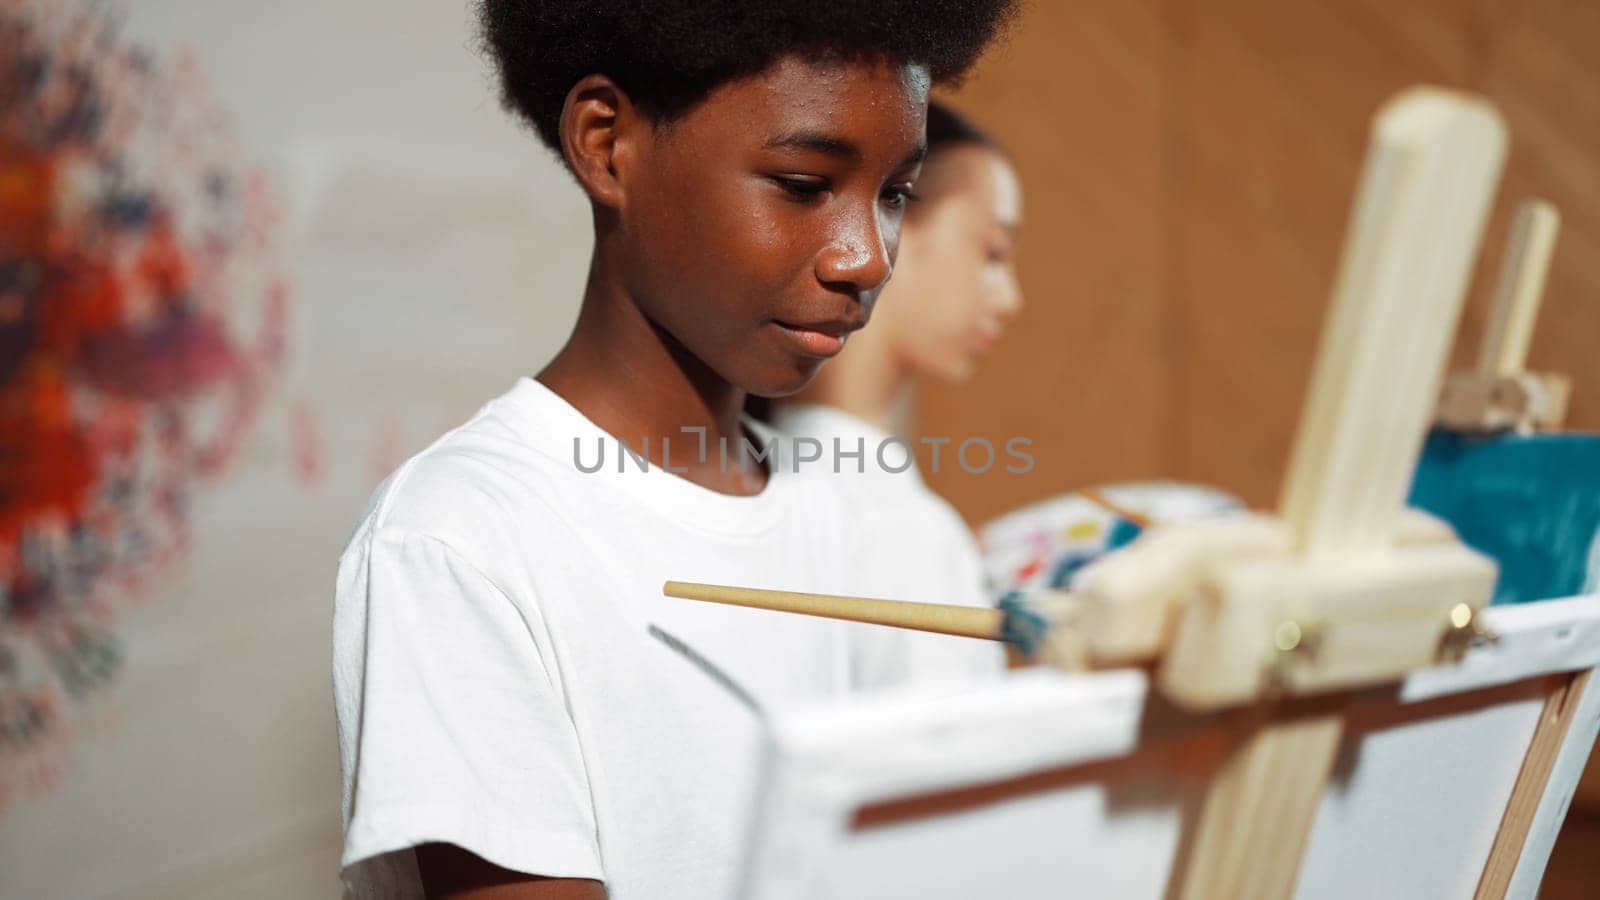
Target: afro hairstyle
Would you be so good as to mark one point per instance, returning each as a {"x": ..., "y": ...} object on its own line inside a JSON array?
[{"x": 670, "y": 55}]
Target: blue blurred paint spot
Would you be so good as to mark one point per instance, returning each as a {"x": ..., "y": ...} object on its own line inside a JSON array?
[{"x": 1122, "y": 533}]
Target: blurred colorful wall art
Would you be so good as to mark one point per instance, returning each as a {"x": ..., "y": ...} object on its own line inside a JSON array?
[{"x": 143, "y": 314}]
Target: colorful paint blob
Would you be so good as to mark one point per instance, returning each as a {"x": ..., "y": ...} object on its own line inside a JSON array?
[{"x": 143, "y": 315}]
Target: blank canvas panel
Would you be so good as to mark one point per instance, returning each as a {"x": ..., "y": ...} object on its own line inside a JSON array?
[
  {"x": 1123, "y": 847},
  {"x": 1048, "y": 784}
]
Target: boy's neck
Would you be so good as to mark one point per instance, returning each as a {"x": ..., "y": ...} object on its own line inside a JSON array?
[{"x": 639, "y": 386}]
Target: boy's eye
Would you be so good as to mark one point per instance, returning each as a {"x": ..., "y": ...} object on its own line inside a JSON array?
[
  {"x": 899, "y": 195},
  {"x": 803, "y": 189}
]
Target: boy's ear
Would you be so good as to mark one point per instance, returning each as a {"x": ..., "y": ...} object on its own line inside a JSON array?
[{"x": 599, "y": 126}]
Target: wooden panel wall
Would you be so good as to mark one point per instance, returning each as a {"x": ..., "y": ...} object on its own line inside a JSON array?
[{"x": 1188, "y": 169}]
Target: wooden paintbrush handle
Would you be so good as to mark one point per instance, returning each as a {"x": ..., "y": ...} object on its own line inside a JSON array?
[{"x": 939, "y": 618}]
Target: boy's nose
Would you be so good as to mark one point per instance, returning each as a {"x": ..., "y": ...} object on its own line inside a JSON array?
[{"x": 858, "y": 258}]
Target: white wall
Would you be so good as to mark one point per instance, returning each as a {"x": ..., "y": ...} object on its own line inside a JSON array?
[{"x": 438, "y": 253}]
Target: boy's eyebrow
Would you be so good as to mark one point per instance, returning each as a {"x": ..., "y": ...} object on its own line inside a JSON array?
[{"x": 818, "y": 142}]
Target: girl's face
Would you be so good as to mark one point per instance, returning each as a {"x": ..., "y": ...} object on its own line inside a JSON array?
[
  {"x": 762, "y": 224},
  {"x": 956, "y": 286}
]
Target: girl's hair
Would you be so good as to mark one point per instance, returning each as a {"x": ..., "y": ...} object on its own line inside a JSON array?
[{"x": 947, "y": 127}]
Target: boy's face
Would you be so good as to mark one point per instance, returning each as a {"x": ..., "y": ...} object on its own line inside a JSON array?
[{"x": 762, "y": 224}]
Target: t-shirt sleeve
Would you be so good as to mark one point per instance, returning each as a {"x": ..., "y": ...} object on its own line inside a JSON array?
[{"x": 450, "y": 725}]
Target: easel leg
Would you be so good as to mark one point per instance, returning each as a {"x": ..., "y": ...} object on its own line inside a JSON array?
[{"x": 1258, "y": 810}]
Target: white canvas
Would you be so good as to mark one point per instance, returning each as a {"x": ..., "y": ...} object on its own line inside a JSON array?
[{"x": 1413, "y": 805}]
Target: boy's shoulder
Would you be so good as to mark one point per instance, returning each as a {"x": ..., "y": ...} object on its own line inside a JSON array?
[{"x": 474, "y": 485}]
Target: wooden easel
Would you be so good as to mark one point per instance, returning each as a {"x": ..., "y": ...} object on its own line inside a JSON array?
[
  {"x": 1342, "y": 589},
  {"x": 1425, "y": 193}
]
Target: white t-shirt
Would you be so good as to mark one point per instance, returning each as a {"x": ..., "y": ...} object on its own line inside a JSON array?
[
  {"x": 918, "y": 547},
  {"x": 494, "y": 681}
]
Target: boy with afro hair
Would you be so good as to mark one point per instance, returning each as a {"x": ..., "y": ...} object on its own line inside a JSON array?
[{"x": 507, "y": 726}]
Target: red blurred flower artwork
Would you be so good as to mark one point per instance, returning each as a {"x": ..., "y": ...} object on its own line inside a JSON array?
[{"x": 142, "y": 316}]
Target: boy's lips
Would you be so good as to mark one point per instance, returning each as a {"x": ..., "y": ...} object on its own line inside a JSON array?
[{"x": 819, "y": 338}]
